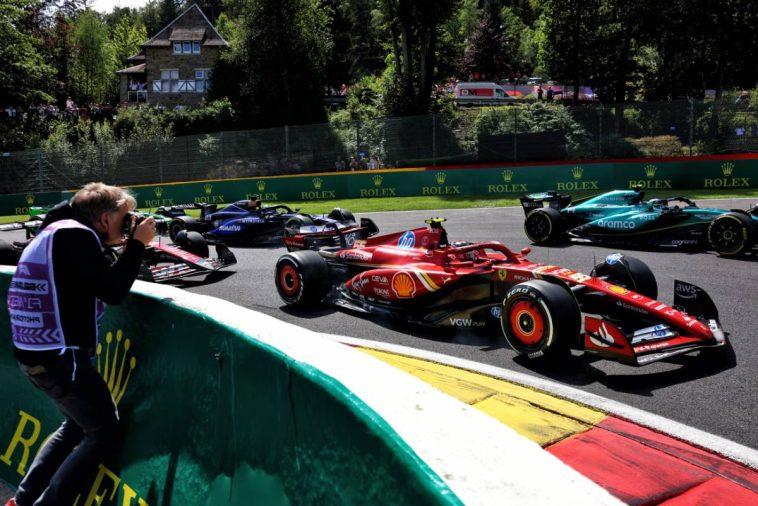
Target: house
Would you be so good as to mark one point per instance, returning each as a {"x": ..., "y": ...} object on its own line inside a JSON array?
[{"x": 174, "y": 67}]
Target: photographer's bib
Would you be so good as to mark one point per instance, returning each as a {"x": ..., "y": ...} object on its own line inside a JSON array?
[{"x": 32, "y": 297}]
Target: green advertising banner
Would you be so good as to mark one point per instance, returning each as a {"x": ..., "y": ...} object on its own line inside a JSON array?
[{"x": 707, "y": 173}]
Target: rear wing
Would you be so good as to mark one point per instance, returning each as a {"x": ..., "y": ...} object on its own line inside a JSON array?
[{"x": 538, "y": 200}]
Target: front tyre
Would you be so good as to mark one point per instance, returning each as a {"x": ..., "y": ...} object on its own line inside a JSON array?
[
  {"x": 628, "y": 272},
  {"x": 194, "y": 242},
  {"x": 540, "y": 319},
  {"x": 731, "y": 234},
  {"x": 302, "y": 278},
  {"x": 544, "y": 225},
  {"x": 293, "y": 225}
]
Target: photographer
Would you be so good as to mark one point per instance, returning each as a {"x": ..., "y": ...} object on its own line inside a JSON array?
[{"x": 56, "y": 299}]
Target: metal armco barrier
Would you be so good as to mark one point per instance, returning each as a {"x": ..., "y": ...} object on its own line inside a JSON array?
[
  {"x": 225, "y": 406},
  {"x": 699, "y": 173}
]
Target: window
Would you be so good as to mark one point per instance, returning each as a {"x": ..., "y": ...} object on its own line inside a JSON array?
[
  {"x": 169, "y": 81},
  {"x": 187, "y": 47},
  {"x": 202, "y": 80}
]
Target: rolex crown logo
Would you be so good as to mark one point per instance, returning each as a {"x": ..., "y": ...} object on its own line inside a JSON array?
[
  {"x": 577, "y": 172},
  {"x": 158, "y": 191},
  {"x": 440, "y": 177},
  {"x": 208, "y": 188},
  {"x": 377, "y": 180},
  {"x": 727, "y": 169},
  {"x": 29, "y": 199},
  {"x": 261, "y": 185},
  {"x": 507, "y": 175},
  {"x": 317, "y": 182},
  {"x": 650, "y": 171},
  {"x": 114, "y": 364}
]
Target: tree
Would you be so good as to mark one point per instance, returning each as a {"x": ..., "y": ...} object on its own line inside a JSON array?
[
  {"x": 488, "y": 53},
  {"x": 92, "y": 69},
  {"x": 414, "y": 28},
  {"x": 571, "y": 33},
  {"x": 280, "y": 63},
  {"x": 126, "y": 39},
  {"x": 23, "y": 72}
]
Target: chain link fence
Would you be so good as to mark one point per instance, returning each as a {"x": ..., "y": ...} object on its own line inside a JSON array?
[{"x": 506, "y": 134}]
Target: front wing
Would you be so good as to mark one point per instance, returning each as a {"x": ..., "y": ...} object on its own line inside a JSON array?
[{"x": 163, "y": 263}]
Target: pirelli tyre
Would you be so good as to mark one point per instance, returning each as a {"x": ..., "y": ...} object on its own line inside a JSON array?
[
  {"x": 179, "y": 224},
  {"x": 540, "y": 319},
  {"x": 343, "y": 216},
  {"x": 544, "y": 225},
  {"x": 194, "y": 242},
  {"x": 302, "y": 278},
  {"x": 732, "y": 234},
  {"x": 293, "y": 225},
  {"x": 628, "y": 272}
]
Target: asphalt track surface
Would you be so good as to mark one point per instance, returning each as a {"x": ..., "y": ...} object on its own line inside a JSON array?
[{"x": 700, "y": 389}]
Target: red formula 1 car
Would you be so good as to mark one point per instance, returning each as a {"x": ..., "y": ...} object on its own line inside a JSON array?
[{"x": 543, "y": 310}]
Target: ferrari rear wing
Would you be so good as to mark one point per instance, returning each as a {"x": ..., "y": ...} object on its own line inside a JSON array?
[{"x": 538, "y": 200}]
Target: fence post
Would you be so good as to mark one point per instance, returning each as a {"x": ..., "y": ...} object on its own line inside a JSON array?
[
  {"x": 692, "y": 122},
  {"x": 39, "y": 170},
  {"x": 434, "y": 140},
  {"x": 221, "y": 134},
  {"x": 287, "y": 145},
  {"x": 515, "y": 134},
  {"x": 600, "y": 132},
  {"x": 160, "y": 165}
]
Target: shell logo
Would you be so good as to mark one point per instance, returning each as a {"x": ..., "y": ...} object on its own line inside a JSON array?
[
  {"x": 619, "y": 290},
  {"x": 403, "y": 285}
]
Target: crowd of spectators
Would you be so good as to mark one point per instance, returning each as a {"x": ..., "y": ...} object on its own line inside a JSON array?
[
  {"x": 359, "y": 162},
  {"x": 71, "y": 111}
]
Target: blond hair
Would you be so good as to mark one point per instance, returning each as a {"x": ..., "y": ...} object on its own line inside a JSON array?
[{"x": 96, "y": 199}]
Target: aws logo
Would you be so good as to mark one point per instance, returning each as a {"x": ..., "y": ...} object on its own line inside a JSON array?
[
  {"x": 377, "y": 190},
  {"x": 115, "y": 363},
  {"x": 441, "y": 189},
  {"x": 727, "y": 169},
  {"x": 507, "y": 186},
  {"x": 319, "y": 193},
  {"x": 650, "y": 182},
  {"x": 577, "y": 184}
]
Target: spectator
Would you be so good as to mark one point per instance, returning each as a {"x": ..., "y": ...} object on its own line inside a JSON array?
[
  {"x": 71, "y": 110},
  {"x": 339, "y": 165},
  {"x": 373, "y": 163},
  {"x": 354, "y": 164},
  {"x": 540, "y": 92},
  {"x": 550, "y": 93}
]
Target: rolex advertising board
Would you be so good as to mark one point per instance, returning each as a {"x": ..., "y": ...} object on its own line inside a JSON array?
[{"x": 707, "y": 173}]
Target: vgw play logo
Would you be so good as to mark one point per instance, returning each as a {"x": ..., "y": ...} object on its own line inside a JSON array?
[{"x": 115, "y": 364}]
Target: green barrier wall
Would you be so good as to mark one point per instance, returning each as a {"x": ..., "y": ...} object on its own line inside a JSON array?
[
  {"x": 215, "y": 417},
  {"x": 717, "y": 173}
]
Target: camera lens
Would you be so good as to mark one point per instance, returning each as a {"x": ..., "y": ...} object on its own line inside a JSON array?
[{"x": 126, "y": 227}]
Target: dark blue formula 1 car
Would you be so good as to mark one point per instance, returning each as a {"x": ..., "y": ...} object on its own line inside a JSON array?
[
  {"x": 246, "y": 222},
  {"x": 624, "y": 218}
]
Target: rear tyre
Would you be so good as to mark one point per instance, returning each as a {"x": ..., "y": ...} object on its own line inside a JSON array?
[
  {"x": 731, "y": 234},
  {"x": 628, "y": 272},
  {"x": 540, "y": 319},
  {"x": 302, "y": 278},
  {"x": 194, "y": 242},
  {"x": 177, "y": 225},
  {"x": 544, "y": 225},
  {"x": 293, "y": 225},
  {"x": 8, "y": 255}
]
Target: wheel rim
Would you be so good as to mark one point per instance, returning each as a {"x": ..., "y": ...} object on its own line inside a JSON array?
[
  {"x": 727, "y": 236},
  {"x": 527, "y": 322},
  {"x": 537, "y": 227},
  {"x": 289, "y": 281}
]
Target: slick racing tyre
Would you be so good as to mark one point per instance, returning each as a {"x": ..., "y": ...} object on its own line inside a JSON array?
[
  {"x": 8, "y": 255},
  {"x": 343, "y": 216},
  {"x": 540, "y": 319},
  {"x": 544, "y": 225},
  {"x": 628, "y": 272},
  {"x": 302, "y": 278},
  {"x": 293, "y": 225},
  {"x": 179, "y": 224},
  {"x": 731, "y": 234},
  {"x": 194, "y": 242}
]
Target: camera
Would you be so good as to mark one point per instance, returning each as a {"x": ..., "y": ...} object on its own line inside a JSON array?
[{"x": 126, "y": 227}]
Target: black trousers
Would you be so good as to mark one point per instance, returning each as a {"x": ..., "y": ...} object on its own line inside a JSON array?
[{"x": 70, "y": 458}]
